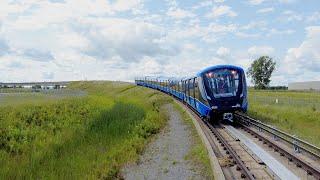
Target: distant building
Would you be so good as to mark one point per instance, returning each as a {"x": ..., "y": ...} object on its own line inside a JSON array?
[{"x": 308, "y": 85}]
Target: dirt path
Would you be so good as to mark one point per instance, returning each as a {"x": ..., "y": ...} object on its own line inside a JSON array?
[{"x": 164, "y": 158}]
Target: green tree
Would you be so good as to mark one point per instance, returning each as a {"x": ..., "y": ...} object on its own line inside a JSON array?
[{"x": 261, "y": 70}]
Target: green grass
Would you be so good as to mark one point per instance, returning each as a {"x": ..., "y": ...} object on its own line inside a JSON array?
[
  {"x": 296, "y": 112},
  {"x": 85, "y": 137},
  {"x": 198, "y": 154}
]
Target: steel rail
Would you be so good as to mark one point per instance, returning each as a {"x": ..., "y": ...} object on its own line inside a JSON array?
[
  {"x": 311, "y": 170},
  {"x": 301, "y": 144},
  {"x": 246, "y": 172}
]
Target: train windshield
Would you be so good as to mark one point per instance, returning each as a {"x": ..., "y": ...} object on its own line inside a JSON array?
[{"x": 223, "y": 82}]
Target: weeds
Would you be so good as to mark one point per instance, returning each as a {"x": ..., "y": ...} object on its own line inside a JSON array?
[{"x": 79, "y": 137}]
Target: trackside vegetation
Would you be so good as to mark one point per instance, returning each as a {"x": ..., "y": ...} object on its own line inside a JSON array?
[
  {"x": 292, "y": 111},
  {"x": 85, "y": 137}
]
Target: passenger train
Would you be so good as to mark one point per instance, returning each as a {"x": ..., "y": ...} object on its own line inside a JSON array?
[{"x": 214, "y": 93}]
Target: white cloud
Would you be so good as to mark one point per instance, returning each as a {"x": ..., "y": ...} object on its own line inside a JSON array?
[
  {"x": 289, "y": 16},
  {"x": 219, "y": 28},
  {"x": 222, "y": 10},
  {"x": 256, "y": 2},
  {"x": 306, "y": 57},
  {"x": 274, "y": 31},
  {"x": 125, "y": 5},
  {"x": 68, "y": 39},
  {"x": 247, "y": 35},
  {"x": 255, "y": 25},
  {"x": 287, "y": 1},
  {"x": 202, "y": 4},
  {"x": 179, "y": 13},
  {"x": 260, "y": 50},
  {"x": 265, "y": 10},
  {"x": 315, "y": 17},
  {"x": 223, "y": 51}
]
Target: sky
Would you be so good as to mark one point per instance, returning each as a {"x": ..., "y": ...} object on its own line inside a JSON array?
[{"x": 55, "y": 40}]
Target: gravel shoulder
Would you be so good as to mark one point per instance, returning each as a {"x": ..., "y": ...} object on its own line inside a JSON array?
[{"x": 171, "y": 155}]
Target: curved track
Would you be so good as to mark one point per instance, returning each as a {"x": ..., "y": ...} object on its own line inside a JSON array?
[
  {"x": 238, "y": 161},
  {"x": 303, "y": 154},
  {"x": 234, "y": 158}
]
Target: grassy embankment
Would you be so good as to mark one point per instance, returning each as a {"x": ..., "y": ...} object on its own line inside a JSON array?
[
  {"x": 198, "y": 154},
  {"x": 295, "y": 112},
  {"x": 78, "y": 137}
]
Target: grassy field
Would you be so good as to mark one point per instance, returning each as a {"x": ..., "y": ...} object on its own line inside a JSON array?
[
  {"x": 79, "y": 137},
  {"x": 295, "y": 112}
]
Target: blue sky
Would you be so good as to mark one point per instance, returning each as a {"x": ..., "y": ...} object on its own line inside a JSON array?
[{"x": 120, "y": 39}]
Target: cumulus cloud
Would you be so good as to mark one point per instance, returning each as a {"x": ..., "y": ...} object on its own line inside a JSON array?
[
  {"x": 131, "y": 40},
  {"x": 121, "y": 39},
  {"x": 306, "y": 57},
  {"x": 315, "y": 17},
  {"x": 290, "y": 16},
  {"x": 255, "y": 25},
  {"x": 223, "y": 51},
  {"x": 179, "y": 13},
  {"x": 274, "y": 31},
  {"x": 38, "y": 55},
  {"x": 256, "y": 2},
  {"x": 247, "y": 35},
  {"x": 265, "y": 10},
  {"x": 260, "y": 50},
  {"x": 220, "y": 28},
  {"x": 222, "y": 10}
]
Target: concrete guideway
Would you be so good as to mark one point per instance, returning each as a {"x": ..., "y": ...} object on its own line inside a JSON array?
[{"x": 275, "y": 166}]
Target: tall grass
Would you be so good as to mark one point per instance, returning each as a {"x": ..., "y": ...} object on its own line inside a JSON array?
[
  {"x": 295, "y": 112},
  {"x": 79, "y": 137}
]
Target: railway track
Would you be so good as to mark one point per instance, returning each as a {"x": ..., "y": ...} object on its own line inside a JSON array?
[
  {"x": 237, "y": 161},
  {"x": 305, "y": 156},
  {"x": 234, "y": 158}
]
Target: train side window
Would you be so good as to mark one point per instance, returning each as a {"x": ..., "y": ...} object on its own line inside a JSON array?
[
  {"x": 191, "y": 88},
  {"x": 196, "y": 88},
  {"x": 182, "y": 87},
  {"x": 188, "y": 87}
]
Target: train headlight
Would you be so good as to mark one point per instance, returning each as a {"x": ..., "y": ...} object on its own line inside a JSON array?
[
  {"x": 237, "y": 105},
  {"x": 214, "y": 107}
]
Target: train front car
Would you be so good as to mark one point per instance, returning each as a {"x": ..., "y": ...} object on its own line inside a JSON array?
[{"x": 226, "y": 90}]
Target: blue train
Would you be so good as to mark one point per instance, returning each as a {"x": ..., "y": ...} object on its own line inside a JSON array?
[{"x": 215, "y": 92}]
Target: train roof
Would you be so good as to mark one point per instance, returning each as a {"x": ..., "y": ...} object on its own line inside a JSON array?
[{"x": 219, "y": 67}]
